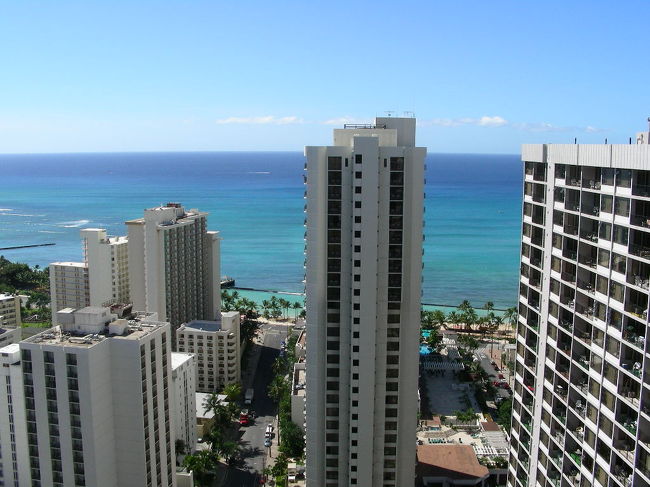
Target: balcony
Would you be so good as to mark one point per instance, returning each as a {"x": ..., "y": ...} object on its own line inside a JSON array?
[{"x": 591, "y": 184}]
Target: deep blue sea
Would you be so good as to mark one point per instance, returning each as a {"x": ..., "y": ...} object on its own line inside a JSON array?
[{"x": 255, "y": 199}]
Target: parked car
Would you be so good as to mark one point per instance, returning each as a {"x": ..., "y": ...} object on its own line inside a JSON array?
[
  {"x": 501, "y": 376},
  {"x": 267, "y": 442}
]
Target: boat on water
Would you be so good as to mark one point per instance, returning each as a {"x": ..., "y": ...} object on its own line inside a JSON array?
[{"x": 227, "y": 282}]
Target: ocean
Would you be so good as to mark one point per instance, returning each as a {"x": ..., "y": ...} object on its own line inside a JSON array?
[{"x": 255, "y": 201}]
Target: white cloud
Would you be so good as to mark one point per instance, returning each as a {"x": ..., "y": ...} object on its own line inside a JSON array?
[
  {"x": 265, "y": 120},
  {"x": 344, "y": 120},
  {"x": 484, "y": 121}
]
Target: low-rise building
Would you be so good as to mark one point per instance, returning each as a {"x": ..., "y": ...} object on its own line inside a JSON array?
[
  {"x": 449, "y": 465},
  {"x": 298, "y": 395},
  {"x": 10, "y": 311},
  {"x": 184, "y": 387},
  {"x": 9, "y": 336},
  {"x": 204, "y": 415},
  {"x": 216, "y": 345}
]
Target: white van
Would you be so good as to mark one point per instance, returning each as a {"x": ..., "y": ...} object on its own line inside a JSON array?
[{"x": 269, "y": 431}]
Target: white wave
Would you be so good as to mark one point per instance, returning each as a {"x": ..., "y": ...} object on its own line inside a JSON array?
[
  {"x": 6, "y": 209},
  {"x": 74, "y": 224},
  {"x": 19, "y": 214},
  {"x": 47, "y": 231},
  {"x": 259, "y": 172}
]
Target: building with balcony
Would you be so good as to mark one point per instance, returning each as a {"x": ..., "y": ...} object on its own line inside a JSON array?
[
  {"x": 174, "y": 265},
  {"x": 216, "y": 347},
  {"x": 97, "y": 406},
  {"x": 581, "y": 408},
  {"x": 364, "y": 210},
  {"x": 184, "y": 387},
  {"x": 10, "y": 311}
]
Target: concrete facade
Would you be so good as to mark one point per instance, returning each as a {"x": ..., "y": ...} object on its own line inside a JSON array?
[
  {"x": 96, "y": 402},
  {"x": 581, "y": 406},
  {"x": 217, "y": 349},
  {"x": 108, "y": 269},
  {"x": 364, "y": 210},
  {"x": 184, "y": 386}
]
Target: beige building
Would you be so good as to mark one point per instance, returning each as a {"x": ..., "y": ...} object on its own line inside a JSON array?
[
  {"x": 174, "y": 264},
  {"x": 364, "y": 214},
  {"x": 10, "y": 311},
  {"x": 216, "y": 347}
]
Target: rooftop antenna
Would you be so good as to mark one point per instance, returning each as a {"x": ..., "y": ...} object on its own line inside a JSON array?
[
  {"x": 648, "y": 124},
  {"x": 390, "y": 113}
]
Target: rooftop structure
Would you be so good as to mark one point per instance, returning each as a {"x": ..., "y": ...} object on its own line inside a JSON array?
[{"x": 449, "y": 465}]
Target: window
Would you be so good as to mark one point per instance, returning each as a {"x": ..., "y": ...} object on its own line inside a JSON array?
[
  {"x": 357, "y": 204},
  {"x": 357, "y": 234},
  {"x": 357, "y": 189},
  {"x": 357, "y": 175},
  {"x": 358, "y": 158}
]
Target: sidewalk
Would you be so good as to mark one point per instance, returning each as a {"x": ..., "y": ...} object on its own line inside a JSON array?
[{"x": 248, "y": 376}]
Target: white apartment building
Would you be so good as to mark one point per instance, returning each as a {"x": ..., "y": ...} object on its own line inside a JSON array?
[
  {"x": 364, "y": 216},
  {"x": 13, "y": 434},
  {"x": 108, "y": 267},
  {"x": 10, "y": 311},
  {"x": 69, "y": 286},
  {"x": 101, "y": 279},
  {"x": 97, "y": 402},
  {"x": 184, "y": 386},
  {"x": 581, "y": 408},
  {"x": 174, "y": 264},
  {"x": 216, "y": 347}
]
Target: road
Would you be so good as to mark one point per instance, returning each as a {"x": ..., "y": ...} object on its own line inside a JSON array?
[{"x": 252, "y": 440}]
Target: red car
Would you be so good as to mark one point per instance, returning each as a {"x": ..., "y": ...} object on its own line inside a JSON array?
[
  {"x": 501, "y": 376},
  {"x": 243, "y": 418}
]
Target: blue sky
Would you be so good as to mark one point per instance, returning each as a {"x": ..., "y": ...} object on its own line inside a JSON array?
[{"x": 480, "y": 76}]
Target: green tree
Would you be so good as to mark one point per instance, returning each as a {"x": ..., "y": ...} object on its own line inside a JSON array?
[
  {"x": 296, "y": 306},
  {"x": 510, "y": 316},
  {"x": 203, "y": 463},
  {"x": 232, "y": 392},
  {"x": 434, "y": 340},
  {"x": 505, "y": 413},
  {"x": 292, "y": 441}
]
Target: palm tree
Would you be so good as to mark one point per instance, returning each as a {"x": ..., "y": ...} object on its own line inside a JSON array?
[
  {"x": 511, "y": 316},
  {"x": 232, "y": 391},
  {"x": 296, "y": 307},
  {"x": 453, "y": 318},
  {"x": 202, "y": 463},
  {"x": 438, "y": 317}
]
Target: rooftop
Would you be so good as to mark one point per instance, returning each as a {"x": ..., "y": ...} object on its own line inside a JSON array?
[
  {"x": 70, "y": 264},
  {"x": 202, "y": 400},
  {"x": 179, "y": 359},
  {"x": 203, "y": 325},
  {"x": 456, "y": 462},
  {"x": 94, "y": 318}
]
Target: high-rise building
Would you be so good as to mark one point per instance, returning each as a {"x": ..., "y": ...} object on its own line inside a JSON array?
[
  {"x": 97, "y": 402},
  {"x": 363, "y": 281},
  {"x": 174, "y": 265},
  {"x": 13, "y": 433},
  {"x": 184, "y": 387},
  {"x": 69, "y": 287},
  {"x": 581, "y": 406},
  {"x": 108, "y": 267},
  {"x": 216, "y": 346},
  {"x": 101, "y": 279}
]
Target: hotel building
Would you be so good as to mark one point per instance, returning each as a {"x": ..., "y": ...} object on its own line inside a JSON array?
[
  {"x": 581, "y": 408},
  {"x": 101, "y": 279},
  {"x": 216, "y": 347},
  {"x": 97, "y": 403},
  {"x": 174, "y": 265},
  {"x": 364, "y": 210}
]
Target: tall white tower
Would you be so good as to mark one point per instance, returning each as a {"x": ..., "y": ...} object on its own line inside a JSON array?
[
  {"x": 174, "y": 265},
  {"x": 363, "y": 273}
]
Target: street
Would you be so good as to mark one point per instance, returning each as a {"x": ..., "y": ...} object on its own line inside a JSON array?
[{"x": 252, "y": 439}]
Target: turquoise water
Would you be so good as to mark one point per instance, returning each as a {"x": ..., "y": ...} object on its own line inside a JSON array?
[{"x": 255, "y": 200}]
